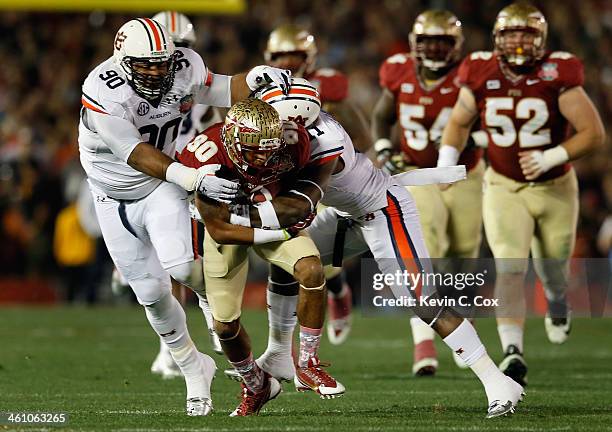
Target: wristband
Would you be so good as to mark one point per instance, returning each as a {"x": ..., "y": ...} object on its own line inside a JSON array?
[
  {"x": 181, "y": 175},
  {"x": 555, "y": 156},
  {"x": 383, "y": 144},
  {"x": 447, "y": 156},
  {"x": 261, "y": 236}
]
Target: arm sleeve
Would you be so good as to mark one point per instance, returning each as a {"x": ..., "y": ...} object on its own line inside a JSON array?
[
  {"x": 120, "y": 135},
  {"x": 217, "y": 92}
]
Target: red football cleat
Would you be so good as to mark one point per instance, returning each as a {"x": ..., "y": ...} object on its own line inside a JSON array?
[
  {"x": 425, "y": 362},
  {"x": 316, "y": 379},
  {"x": 252, "y": 403}
]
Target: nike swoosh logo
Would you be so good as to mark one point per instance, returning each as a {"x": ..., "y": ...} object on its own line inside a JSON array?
[
  {"x": 446, "y": 90},
  {"x": 531, "y": 82}
]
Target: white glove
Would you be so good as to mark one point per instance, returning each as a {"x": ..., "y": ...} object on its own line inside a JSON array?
[
  {"x": 261, "y": 76},
  {"x": 535, "y": 163},
  {"x": 215, "y": 187}
]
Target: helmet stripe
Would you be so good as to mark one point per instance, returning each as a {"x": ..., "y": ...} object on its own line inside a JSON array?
[
  {"x": 173, "y": 21},
  {"x": 147, "y": 32},
  {"x": 161, "y": 31},
  {"x": 155, "y": 32}
]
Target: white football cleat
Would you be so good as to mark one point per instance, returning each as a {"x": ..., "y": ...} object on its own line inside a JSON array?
[
  {"x": 119, "y": 284},
  {"x": 201, "y": 406},
  {"x": 165, "y": 366},
  {"x": 503, "y": 397},
  {"x": 558, "y": 329}
]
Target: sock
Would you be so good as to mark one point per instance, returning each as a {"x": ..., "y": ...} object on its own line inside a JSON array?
[
  {"x": 557, "y": 308},
  {"x": 167, "y": 318},
  {"x": 464, "y": 341},
  {"x": 420, "y": 331},
  {"x": 251, "y": 374},
  {"x": 163, "y": 348},
  {"x": 335, "y": 285},
  {"x": 282, "y": 319},
  {"x": 310, "y": 340},
  {"x": 510, "y": 334}
]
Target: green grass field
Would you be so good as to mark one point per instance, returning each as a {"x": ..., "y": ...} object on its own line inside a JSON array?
[{"x": 94, "y": 364}]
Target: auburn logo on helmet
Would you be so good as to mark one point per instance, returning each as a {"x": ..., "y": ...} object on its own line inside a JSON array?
[{"x": 119, "y": 39}]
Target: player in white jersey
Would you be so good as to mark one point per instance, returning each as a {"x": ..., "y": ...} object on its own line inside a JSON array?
[
  {"x": 133, "y": 104},
  {"x": 383, "y": 218}
]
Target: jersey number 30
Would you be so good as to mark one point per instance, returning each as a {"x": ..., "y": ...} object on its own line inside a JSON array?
[{"x": 202, "y": 148}]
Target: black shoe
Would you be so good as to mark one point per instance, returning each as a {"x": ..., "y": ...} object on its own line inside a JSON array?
[{"x": 514, "y": 365}]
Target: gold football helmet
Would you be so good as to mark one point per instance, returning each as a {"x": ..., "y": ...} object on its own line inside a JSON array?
[
  {"x": 525, "y": 18},
  {"x": 436, "y": 39},
  {"x": 291, "y": 39},
  {"x": 253, "y": 138}
]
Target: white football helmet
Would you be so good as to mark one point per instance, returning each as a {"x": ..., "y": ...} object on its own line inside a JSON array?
[
  {"x": 144, "y": 50},
  {"x": 178, "y": 25},
  {"x": 301, "y": 105}
]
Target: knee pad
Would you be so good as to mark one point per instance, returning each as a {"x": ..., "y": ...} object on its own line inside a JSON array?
[
  {"x": 189, "y": 274},
  {"x": 149, "y": 289}
]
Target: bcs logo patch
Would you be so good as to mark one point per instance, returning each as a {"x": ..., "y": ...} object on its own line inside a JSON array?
[
  {"x": 493, "y": 85},
  {"x": 143, "y": 108},
  {"x": 185, "y": 104},
  {"x": 549, "y": 72}
]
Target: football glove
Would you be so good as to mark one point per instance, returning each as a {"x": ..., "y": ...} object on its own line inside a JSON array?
[
  {"x": 261, "y": 76},
  {"x": 214, "y": 187}
]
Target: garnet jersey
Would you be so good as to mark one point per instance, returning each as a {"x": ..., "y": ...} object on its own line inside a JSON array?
[
  {"x": 195, "y": 123},
  {"x": 359, "y": 188},
  {"x": 522, "y": 114},
  {"x": 106, "y": 92},
  {"x": 207, "y": 148},
  {"x": 422, "y": 112},
  {"x": 331, "y": 84}
]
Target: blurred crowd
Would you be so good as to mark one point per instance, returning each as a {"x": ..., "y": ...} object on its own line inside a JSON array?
[{"x": 47, "y": 56}]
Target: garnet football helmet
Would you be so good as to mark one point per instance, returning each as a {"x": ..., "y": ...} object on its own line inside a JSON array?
[
  {"x": 253, "y": 139},
  {"x": 291, "y": 39},
  {"x": 144, "y": 50},
  {"x": 442, "y": 26},
  {"x": 520, "y": 17},
  {"x": 179, "y": 27}
]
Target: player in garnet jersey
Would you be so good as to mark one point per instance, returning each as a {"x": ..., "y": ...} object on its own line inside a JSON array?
[
  {"x": 265, "y": 155},
  {"x": 419, "y": 91},
  {"x": 526, "y": 98},
  {"x": 294, "y": 48}
]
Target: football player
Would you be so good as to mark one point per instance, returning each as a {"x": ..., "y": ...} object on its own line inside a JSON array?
[
  {"x": 380, "y": 216},
  {"x": 133, "y": 104},
  {"x": 199, "y": 117},
  {"x": 419, "y": 90},
  {"x": 526, "y": 98},
  {"x": 254, "y": 147},
  {"x": 294, "y": 48}
]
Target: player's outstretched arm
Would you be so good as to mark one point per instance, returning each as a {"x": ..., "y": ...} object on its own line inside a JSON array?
[
  {"x": 353, "y": 121},
  {"x": 577, "y": 108},
  {"x": 457, "y": 130}
]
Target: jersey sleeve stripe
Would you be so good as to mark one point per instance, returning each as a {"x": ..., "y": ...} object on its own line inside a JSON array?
[
  {"x": 323, "y": 160},
  {"x": 147, "y": 32},
  {"x": 92, "y": 107},
  {"x": 155, "y": 32},
  {"x": 325, "y": 152},
  {"x": 93, "y": 101}
]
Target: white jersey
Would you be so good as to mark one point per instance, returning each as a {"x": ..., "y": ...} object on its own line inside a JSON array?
[
  {"x": 200, "y": 118},
  {"x": 128, "y": 119},
  {"x": 360, "y": 187}
]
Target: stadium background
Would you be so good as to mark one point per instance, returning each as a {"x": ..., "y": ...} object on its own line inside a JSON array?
[{"x": 45, "y": 57}]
